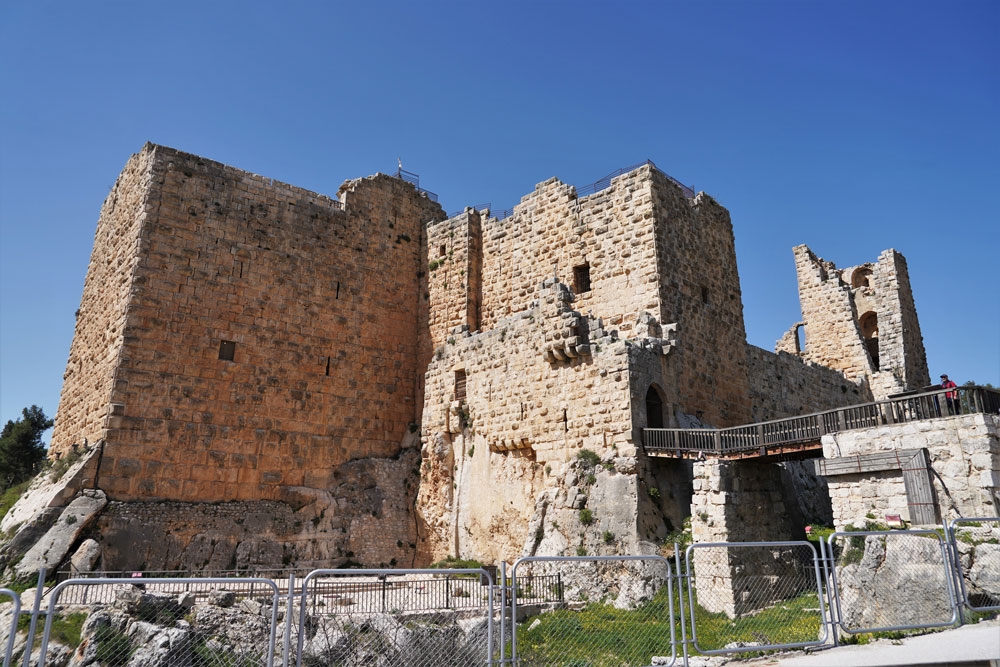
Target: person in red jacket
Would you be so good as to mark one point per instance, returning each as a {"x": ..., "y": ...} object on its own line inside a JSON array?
[{"x": 954, "y": 406}]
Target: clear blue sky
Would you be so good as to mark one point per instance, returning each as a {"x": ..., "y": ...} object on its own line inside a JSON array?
[{"x": 850, "y": 126}]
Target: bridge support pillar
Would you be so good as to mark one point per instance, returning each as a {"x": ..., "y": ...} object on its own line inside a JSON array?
[{"x": 741, "y": 501}]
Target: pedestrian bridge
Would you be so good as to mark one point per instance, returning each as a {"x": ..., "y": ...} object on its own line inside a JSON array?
[{"x": 800, "y": 437}]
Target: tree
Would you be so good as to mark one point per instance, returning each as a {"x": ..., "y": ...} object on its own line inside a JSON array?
[{"x": 21, "y": 448}]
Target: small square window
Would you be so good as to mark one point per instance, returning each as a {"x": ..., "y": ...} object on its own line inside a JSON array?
[
  {"x": 227, "y": 350},
  {"x": 460, "y": 385},
  {"x": 581, "y": 278},
  {"x": 443, "y": 250}
]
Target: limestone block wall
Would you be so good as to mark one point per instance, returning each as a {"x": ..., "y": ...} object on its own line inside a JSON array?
[
  {"x": 454, "y": 259},
  {"x": 785, "y": 385},
  {"x": 743, "y": 502},
  {"x": 100, "y": 321},
  {"x": 838, "y": 303},
  {"x": 552, "y": 231},
  {"x": 318, "y": 300},
  {"x": 964, "y": 454}
]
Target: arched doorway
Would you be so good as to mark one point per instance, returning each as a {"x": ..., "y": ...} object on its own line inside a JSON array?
[
  {"x": 654, "y": 408},
  {"x": 869, "y": 331}
]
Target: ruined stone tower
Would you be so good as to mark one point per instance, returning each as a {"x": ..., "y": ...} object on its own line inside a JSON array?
[{"x": 860, "y": 320}]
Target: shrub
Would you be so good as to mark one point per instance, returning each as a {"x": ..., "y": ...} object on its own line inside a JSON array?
[
  {"x": 588, "y": 458},
  {"x": 654, "y": 493},
  {"x": 608, "y": 536},
  {"x": 581, "y": 550},
  {"x": 586, "y": 517}
]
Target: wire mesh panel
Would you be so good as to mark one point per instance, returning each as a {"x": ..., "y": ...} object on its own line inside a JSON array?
[
  {"x": 396, "y": 618},
  {"x": 158, "y": 622},
  {"x": 977, "y": 546},
  {"x": 8, "y": 622},
  {"x": 891, "y": 580},
  {"x": 599, "y": 611},
  {"x": 753, "y": 596}
]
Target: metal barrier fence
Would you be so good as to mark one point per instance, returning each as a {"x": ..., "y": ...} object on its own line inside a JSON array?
[
  {"x": 622, "y": 610},
  {"x": 15, "y": 614},
  {"x": 346, "y": 631},
  {"x": 891, "y": 580},
  {"x": 614, "y": 610},
  {"x": 150, "y": 623},
  {"x": 975, "y": 547},
  {"x": 755, "y": 596}
]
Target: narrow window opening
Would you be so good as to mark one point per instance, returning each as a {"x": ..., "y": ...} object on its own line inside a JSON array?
[
  {"x": 443, "y": 250},
  {"x": 338, "y": 290},
  {"x": 800, "y": 339},
  {"x": 241, "y": 269},
  {"x": 869, "y": 331},
  {"x": 581, "y": 278},
  {"x": 227, "y": 350},
  {"x": 460, "y": 385},
  {"x": 704, "y": 295},
  {"x": 328, "y": 366},
  {"x": 565, "y": 422}
]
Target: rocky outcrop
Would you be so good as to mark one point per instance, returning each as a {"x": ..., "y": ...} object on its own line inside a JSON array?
[
  {"x": 54, "y": 546},
  {"x": 51, "y": 490},
  {"x": 893, "y": 580}
]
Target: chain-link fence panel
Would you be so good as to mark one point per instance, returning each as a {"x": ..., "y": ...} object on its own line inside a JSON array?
[
  {"x": 891, "y": 580},
  {"x": 396, "y": 618},
  {"x": 8, "y": 621},
  {"x": 755, "y": 596},
  {"x": 977, "y": 557},
  {"x": 183, "y": 622},
  {"x": 599, "y": 611}
]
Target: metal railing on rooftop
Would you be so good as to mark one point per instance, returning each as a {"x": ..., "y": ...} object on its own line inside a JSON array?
[{"x": 810, "y": 428}]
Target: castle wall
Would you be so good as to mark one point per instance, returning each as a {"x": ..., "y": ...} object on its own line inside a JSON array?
[
  {"x": 699, "y": 288},
  {"x": 552, "y": 231},
  {"x": 320, "y": 299},
  {"x": 964, "y": 454},
  {"x": 100, "y": 321},
  {"x": 785, "y": 385}
]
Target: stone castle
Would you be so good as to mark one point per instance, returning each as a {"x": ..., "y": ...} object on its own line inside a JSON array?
[{"x": 262, "y": 375}]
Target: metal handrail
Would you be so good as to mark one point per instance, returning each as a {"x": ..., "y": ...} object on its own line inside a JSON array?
[{"x": 942, "y": 402}]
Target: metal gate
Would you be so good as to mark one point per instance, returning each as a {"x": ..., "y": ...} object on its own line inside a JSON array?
[
  {"x": 568, "y": 610},
  {"x": 975, "y": 547},
  {"x": 891, "y": 580},
  {"x": 755, "y": 596},
  {"x": 399, "y": 618}
]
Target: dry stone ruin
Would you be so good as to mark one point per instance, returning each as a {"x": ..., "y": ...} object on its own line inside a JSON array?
[{"x": 261, "y": 375}]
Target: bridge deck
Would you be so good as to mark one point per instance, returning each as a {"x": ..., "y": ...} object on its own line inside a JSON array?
[{"x": 799, "y": 437}]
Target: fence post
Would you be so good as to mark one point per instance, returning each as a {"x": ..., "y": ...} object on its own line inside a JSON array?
[
  {"x": 956, "y": 569},
  {"x": 289, "y": 605},
  {"x": 30, "y": 641},
  {"x": 680, "y": 602},
  {"x": 503, "y": 612},
  {"x": 382, "y": 578}
]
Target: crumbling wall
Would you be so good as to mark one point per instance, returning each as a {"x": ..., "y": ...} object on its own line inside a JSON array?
[
  {"x": 836, "y": 303},
  {"x": 100, "y": 320}
]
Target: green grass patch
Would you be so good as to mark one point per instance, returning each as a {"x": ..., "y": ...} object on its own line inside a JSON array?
[{"x": 601, "y": 636}]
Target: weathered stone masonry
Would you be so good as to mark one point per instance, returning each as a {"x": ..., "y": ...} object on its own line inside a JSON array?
[{"x": 389, "y": 385}]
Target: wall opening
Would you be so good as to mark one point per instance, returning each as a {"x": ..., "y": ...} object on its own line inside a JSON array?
[
  {"x": 861, "y": 277},
  {"x": 704, "y": 295},
  {"x": 800, "y": 338},
  {"x": 654, "y": 408},
  {"x": 581, "y": 278},
  {"x": 328, "y": 366},
  {"x": 869, "y": 331},
  {"x": 460, "y": 385},
  {"x": 227, "y": 350}
]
